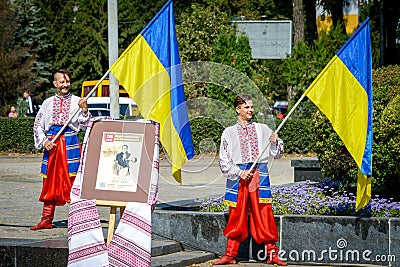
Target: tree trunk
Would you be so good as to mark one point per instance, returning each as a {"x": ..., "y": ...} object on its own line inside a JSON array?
[
  {"x": 391, "y": 15},
  {"x": 335, "y": 8},
  {"x": 311, "y": 25},
  {"x": 298, "y": 22}
]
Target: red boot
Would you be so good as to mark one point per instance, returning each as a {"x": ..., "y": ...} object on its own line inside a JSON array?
[
  {"x": 232, "y": 248},
  {"x": 273, "y": 258},
  {"x": 225, "y": 260},
  {"x": 47, "y": 217}
]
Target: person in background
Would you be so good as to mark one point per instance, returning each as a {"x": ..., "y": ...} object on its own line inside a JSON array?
[
  {"x": 248, "y": 192},
  {"x": 62, "y": 156},
  {"x": 13, "y": 112},
  {"x": 33, "y": 106}
]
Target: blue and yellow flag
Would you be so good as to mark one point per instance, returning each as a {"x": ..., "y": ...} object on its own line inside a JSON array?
[
  {"x": 149, "y": 69},
  {"x": 343, "y": 92}
]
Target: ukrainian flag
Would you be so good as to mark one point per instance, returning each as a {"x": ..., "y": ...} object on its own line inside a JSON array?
[
  {"x": 343, "y": 92},
  {"x": 149, "y": 69}
]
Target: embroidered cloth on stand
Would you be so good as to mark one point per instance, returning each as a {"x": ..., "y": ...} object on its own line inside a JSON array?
[{"x": 131, "y": 242}]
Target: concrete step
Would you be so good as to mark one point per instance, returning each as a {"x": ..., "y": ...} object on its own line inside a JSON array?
[
  {"x": 162, "y": 247},
  {"x": 181, "y": 258},
  {"x": 25, "y": 252}
]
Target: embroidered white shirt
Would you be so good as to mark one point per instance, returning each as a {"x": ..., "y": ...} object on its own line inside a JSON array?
[{"x": 56, "y": 111}]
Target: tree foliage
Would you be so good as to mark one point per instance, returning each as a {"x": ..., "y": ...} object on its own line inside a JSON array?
[
  {"x": 233, "y": 51},
  {"x": 133, "y": 16},
  {"x": 16, "y": 58},
  {"x": 79, "y": 33},
  {"x": 386, "y": 121},
  {"x": 268, "y": 76},
  {"x": 32, "y": 33},
  {"x": 198, "y": 29}
]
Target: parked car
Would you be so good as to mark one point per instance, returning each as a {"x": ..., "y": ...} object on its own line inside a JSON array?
[
  {"x": 96, "y": 112},
  {"x": 100, "y": 106},
  {"x": 280, "y": 108}
]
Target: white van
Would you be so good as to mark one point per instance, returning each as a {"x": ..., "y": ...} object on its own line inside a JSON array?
[{"x": 100, "y": 106}]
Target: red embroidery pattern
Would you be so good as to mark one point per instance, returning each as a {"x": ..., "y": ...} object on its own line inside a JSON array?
[
  {"x": 229, "y": 164},
  {"x": 87, "y": 252},
  {"x": 61, "y": 107},
  {"x": 84, "y": 218},
  {"x": 38, "y": 120},
  {"x": 248, "y": 141},
  {"x": 128, "y": 251},
  {"x": 225, "y": 146},
  {"x": 253, "y": 138},
  {"x": 244, "y": 146}
]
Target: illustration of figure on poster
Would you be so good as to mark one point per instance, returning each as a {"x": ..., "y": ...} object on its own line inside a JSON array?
[{"x": 124, "y": 162}]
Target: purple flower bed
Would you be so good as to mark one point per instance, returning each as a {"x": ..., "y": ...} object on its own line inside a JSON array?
[{"x": 317, "y": 199}]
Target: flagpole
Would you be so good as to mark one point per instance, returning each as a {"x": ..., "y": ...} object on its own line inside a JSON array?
[
  {"x": 77, "y": 110},
  {"x": 277, "y": 130}
]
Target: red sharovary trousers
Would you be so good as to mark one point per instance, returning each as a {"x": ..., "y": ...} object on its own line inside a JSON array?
[
  {"x": 57, "y": 186},
  {"x": 249, "y": 210}
]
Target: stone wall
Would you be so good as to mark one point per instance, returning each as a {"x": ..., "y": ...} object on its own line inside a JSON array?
[
  {"x": 306, "y": 169},
  {"x": 302, "y": 239}
]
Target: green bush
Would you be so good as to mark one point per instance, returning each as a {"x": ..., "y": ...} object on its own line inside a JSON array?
[
  {"x": 206, "y": 133},
  {"x": 386, "y": 149},
  {"x": 17, "y": 135},
  {"x": 297, "y": 136},
  {"x": 336, "y": 161}
]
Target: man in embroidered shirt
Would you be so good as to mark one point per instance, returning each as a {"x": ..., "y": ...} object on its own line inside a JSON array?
[
  {"x": 248, "y": 192},
  {"x": 61, "y": 157}
]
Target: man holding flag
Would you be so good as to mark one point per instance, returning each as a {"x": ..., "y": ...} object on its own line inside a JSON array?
[
  {"x": 61, "y": 157},
  {"x": 248, "y": 191}
]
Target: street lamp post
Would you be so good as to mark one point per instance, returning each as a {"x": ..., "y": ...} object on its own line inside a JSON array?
[{"x": 113, "y": 55}]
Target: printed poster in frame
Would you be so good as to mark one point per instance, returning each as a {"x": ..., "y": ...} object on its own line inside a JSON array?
[{"x": 119, "y": 161}]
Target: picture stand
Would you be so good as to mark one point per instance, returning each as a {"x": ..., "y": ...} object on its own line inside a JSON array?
[
  {"x": 113, "y": 214},
  {"x": 119, "y": 166}
]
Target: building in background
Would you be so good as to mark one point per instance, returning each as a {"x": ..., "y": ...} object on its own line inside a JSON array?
[{"x": 269, "y": 39}]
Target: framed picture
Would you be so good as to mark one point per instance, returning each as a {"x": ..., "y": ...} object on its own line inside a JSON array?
[{"x": 119, "y": 162}]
